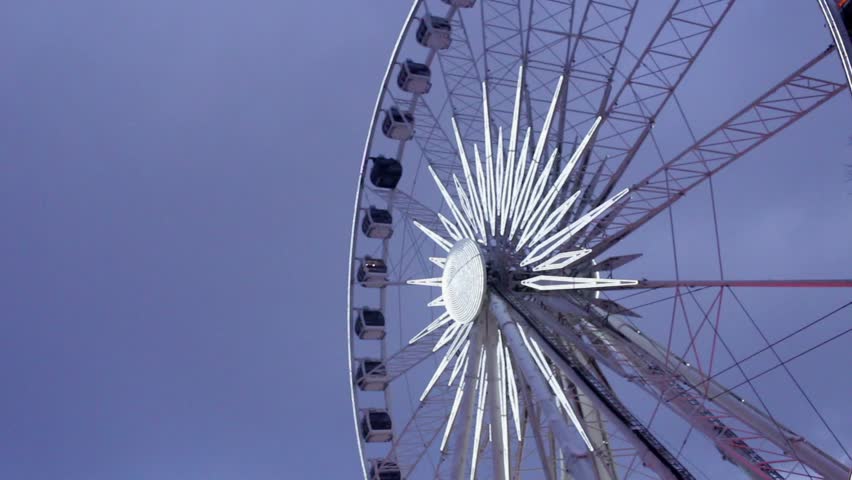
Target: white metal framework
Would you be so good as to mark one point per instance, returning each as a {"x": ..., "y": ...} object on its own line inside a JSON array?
[{"x": 524, "y": 356}]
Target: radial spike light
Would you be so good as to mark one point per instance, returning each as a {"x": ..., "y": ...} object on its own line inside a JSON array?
[
  {"x": 436, "y": 324},
  {"x": 562, "y": 260},
  {"x": 438, "y": 302},
  {"x": 461, "y": 362},
  {"x": 439, "y": 261},
  {"x": 428, "y": 282},
  {"x": 507, "y": 209},
  {"x": 434, "y": 236},
  {"x": 450, "y": 203},
  {"x": 553, "y": 282},
  {"x": 555, "y": 218}
]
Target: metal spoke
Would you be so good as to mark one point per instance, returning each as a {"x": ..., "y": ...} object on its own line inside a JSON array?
[
  {"x": 549, "y": 40},
  {"x": 579, "y": 462},
  {"x": 462, "y": 80},
  {"x": 503, "y": 39},
  {"x": 591, "y": 67},
  {"x": 659, "y": 71},
  {"x": 643, "y": 284},
  {"x": 733, "y": 425},
  {"x": 421, "y": 430},
  {"x": 654, "y": 453},
  {"x": 787, "y": 102}
]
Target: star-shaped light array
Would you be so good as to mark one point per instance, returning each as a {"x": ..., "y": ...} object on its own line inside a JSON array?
[{"x": 508, "y": 205}]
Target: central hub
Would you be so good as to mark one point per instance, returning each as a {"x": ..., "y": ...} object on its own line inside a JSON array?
[{"x": 463, "y": 282}]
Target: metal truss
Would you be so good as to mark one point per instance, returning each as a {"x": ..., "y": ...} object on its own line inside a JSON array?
[
  {"x": 588, "y": 59},
  {"x": 787, "y": 102},
  {"x": 660, "y": 69},
  {"x": 597, "y": 427},
  {"x": 540, "y": 432},
  {"x": 502, "y": 34},
  {"x": 426, "y": 422},
  {"x": 410, "y": 356},
  {"x": 462, "y": 81},
  {"x": 736, "y": 428},
  {"x": 549, "y": 40},
  {"x": 646, "y": 445},
  {"x": 411, "y": 209},
  {"x": 429, "y": 135},
  {"x": 593, "y": 62},
  {"x": 833, "y": 283}
]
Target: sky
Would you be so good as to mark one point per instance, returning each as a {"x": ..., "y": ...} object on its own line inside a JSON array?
[{"x": 176, "y": 191}]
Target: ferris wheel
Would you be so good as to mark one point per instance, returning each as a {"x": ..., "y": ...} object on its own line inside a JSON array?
[{"x": 503, "y": 320}]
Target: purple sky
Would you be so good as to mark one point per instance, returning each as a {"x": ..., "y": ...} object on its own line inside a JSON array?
[{"x": 176, "y": 182}]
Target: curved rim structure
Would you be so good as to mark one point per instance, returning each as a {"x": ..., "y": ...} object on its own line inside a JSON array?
[
  {"x": 841, "y": 35},
  {"x": 350, "y": 281},
  {"x": 527, "y": 157}
]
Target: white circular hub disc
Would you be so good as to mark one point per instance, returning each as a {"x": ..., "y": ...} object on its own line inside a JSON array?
[{"x": 463, "y": 282}]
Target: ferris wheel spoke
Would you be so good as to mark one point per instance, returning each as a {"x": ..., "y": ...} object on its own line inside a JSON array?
[
  {"x": 503, "y": 37},
  {"x": 429, "y": 134},
  {"x": 601, "y": 352},
  {"x": 663, "y": 64},
  {"x": 653, "y": 284},
  {"x": 455, "y": 464},
  {"x": 733, "y": 425},
  {"x": 653, "y": 453},
  {"x": 413, "y": 210},
  {"x": 412, "y": 354},
  {"x": 462, "y": 80},
  {"x": 615, "y": 452},
  {"x": 548, "y": 41},
  {"x": 419, "y": 433},
  {"x": 594, "y": 60},
  {"x": 530, "y": 362},
  {"x": 784, "y": 104},
  {"x": 540, "y": 434}
]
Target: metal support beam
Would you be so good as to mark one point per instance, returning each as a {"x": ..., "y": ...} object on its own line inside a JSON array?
[
  {"x": 578, "y": 458},
  {"x": 787, "y": 102},
  {"x": 649, "y": 284},
  {"x": 659, "y": 71},
  {"x": 503, "y": 41},
  {"x": 687, "y": 391},
  {"x": 498, "y": 412},
  {"x": 784, "y": 438},
  {"x": 462, "y": 80},
  {"x": 652, "y": 452},
  {"x": 462, "y": 443},
  {"x": 426, "y": 423}
]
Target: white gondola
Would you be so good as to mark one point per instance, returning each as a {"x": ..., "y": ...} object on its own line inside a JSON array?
[
  {"x": 460, "y": 3},
  {"x": 386, "y": 172},
  {"x": 434, "y": 32},
  {"x": 414, "y": 77},
  {"x": 370, "y": 324},
  {"x": 398, "y": 125},
  {"x": 384, "y": 470},
  {"x": 372, "y": 272},
  {"x": 376, "y": 425},
  {"x": 371, "y": 375},
  {"x": 377, "y": 223}
]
